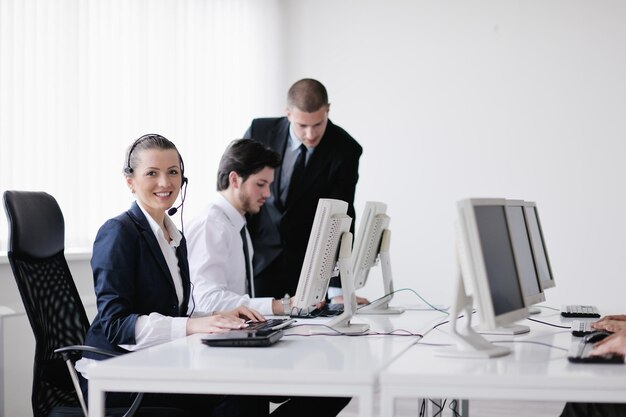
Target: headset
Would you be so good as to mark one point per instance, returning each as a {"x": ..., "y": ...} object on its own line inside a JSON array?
[{"x": 129, "y": 170}]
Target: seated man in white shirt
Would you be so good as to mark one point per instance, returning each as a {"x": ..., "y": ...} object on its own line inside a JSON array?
[{"x": 220, "y": 274}]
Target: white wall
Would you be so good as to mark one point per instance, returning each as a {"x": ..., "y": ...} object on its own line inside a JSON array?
[{"x": 455, "y": 99}]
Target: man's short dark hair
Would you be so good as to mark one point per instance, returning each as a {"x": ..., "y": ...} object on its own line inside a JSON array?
[
  {"x": 245, "y": 157},
  {"x": 307, "y": 95}
]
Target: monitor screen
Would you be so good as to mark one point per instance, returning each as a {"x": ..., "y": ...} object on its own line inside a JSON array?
[
  {"x": 487, "y": 260},
  {"x": 529, "y": 279},
  {"x": 498, "y": 258},
  {"x": 542, "y": 262},
  {"x": 320, "y": 259},
  {"x": 368, "y": 239}
]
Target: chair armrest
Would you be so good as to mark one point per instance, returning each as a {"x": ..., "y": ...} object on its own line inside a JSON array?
[
  {"x": 66, "y": 350},
  {"x": 84, "y": 348}
]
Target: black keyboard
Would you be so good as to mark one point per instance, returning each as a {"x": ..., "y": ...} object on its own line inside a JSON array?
[
  {"x": 575, "y": 310},
  {"x": 270, "y": 324},
  {"x": 581, "y": 328},
  {"x": 329, "y": 310},
  {"x": 579, "y": 353}
]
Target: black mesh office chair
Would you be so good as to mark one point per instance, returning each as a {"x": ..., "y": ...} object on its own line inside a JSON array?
[{"x": 53, "y": 306}]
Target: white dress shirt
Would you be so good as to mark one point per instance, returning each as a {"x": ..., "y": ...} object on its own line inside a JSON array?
[{"x": 216, "y": 260}]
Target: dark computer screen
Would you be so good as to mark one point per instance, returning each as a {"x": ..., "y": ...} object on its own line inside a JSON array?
[
  {"x": 506, "y": 294},
  {"x": 542, "y": 264},
  {"x": 523, "y": 252}
]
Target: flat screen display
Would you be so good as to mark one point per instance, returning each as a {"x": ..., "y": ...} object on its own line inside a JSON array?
[
  {"x": 523, "y": 252},
  {"x": 542, "y": 264},
  {"x": 495, "y": 241}
]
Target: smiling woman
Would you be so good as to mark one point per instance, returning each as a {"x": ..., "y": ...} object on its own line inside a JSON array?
[
  {"x": 154, "y": 173},
  {"x": 79, "y": 78}
]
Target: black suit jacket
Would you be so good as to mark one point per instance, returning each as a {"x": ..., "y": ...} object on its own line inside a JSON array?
[
  {"x": 131, "y": 278},
  {"x": 283, "y": 232}
]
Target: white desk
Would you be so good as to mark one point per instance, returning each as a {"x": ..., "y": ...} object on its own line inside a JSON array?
[
  {"x": 319, "y": 365},
  {"x": 531, "y": 372}
]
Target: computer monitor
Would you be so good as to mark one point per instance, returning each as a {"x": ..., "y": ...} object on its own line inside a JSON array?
[
  {"x": 524, "y": 257},
  {"x": 330, "y": 244},
  {"x": 371, "y": 247},
  {"x": 542, "y": 262},
  {"x": 488, "y": 270}
]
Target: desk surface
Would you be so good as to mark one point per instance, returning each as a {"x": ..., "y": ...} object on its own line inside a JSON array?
[
  {"x": 296, "y": 365},
  {"x": 531, "y": 372}
]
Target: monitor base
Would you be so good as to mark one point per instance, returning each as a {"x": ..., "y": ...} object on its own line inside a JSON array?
[
  {"x": 352, "y": 328},
  {"x": 513, "y": 329},
  {"x": 534, "y": 310},
  {"x": 371, "y": 309}
]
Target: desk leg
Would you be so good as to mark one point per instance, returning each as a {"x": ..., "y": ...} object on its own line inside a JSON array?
[
  {"x": 387, "y": 404},
  {"x": 464, "y": 408},
  {"x": 366, "y": 404},
  {"x": 96, "y": 401}
]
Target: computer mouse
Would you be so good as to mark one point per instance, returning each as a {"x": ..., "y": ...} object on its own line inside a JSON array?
[{"x": 596, "y": 336}]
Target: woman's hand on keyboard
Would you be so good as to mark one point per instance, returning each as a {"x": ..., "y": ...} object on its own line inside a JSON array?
[
  {"x": 616, "y": 343},
  {"x": 611, "y": 323},
  {"x": 217, "y": 323},
  {"x": 244, "y": 312}
]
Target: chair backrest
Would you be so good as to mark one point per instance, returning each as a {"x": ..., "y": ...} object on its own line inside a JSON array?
[{"x": 53, "y": 306}]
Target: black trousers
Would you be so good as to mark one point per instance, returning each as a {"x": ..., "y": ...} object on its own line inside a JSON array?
[{"x": 593, "y": 410}]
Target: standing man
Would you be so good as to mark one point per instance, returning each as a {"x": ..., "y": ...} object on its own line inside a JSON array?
[
  {"x": 220, "y": 250},
  {"x": 319, "y": 160}
]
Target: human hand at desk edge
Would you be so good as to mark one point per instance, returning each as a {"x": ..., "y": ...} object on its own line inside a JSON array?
[
  {"x": 615, "y": 343},
  {"x": 244, "y": 312},
  {"x": 611, "y": 323},
  {"x": 217, "y": 323}
]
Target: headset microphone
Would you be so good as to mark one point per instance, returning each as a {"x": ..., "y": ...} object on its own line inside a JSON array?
[{"x": 174, "y": 210}]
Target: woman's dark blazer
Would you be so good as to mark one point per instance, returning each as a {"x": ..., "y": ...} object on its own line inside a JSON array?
[{"x": 131, "y": 278}]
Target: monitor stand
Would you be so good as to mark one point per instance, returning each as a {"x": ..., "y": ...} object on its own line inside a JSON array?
[
  {"x": 534, "y": 310},
  {"x": 381, "y": 306},
  {"x": 469, "y": 344},
  {"x": 342, "y": 323},
  {"x": 512, "y": 329}
]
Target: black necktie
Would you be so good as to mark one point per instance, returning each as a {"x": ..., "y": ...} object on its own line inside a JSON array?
[
  {"x": 246, "y": 256},
  {"x": 298, "y": 171}
]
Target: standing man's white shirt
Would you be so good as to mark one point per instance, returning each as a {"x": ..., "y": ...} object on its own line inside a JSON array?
[{"x": 216, "y": 260}]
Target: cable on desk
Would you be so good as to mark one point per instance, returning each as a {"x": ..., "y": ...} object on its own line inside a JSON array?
[
  {"x": 414, "y": 292},
  {"x": 532, "y": 342},
  {"x": 448, "y": 321},
  {"x": 395, "y": 332},
  {"x": 549, "y": 324},
  {"x": 434, "y": 344},
  {"x": 548, "y": 307}
]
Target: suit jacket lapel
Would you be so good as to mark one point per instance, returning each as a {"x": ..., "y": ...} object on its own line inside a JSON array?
[
  {"x": 146, "y": 232},
  {"x": 278, "y": 141}
]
